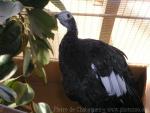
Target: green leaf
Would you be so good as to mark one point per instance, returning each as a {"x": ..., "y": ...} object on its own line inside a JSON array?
[
  {"x": 4, "y": 59},
  {"x": 10, "y": 81},
  {"x": 43, "y": 56},
  {"x": 27, "y": 63},
  {"x": 41, "y": 73},
  {"x": 7, "y": 93},
  {"x": 9, "y": 9},
  {"x": 41, "y": 51},
  {"x": 24, "y": 91},
  {"x": 42, "y": 23},
  {"x": 10, "y": 38},
  {"x": 42, "y": 108},
  {"x": 37, "y": 48},
  {"x": 47, "y": 43},
  {"x": 7, "y": 71},
  {"x": 58, "y": 4}
]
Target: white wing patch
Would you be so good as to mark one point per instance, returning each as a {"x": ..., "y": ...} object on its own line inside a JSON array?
[
  {"x": 113, "y": 83},
  {"x": 107, "y": 85}
]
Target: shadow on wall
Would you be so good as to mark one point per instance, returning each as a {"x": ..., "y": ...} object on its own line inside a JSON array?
[
  {"x": 147, "y": 92},
  {"x": 147, "y": 98}
]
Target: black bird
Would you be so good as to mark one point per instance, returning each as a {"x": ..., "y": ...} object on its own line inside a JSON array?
[{"x": 95, "y": 74}]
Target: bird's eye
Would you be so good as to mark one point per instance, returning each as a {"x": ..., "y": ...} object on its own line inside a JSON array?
[{"x": 68, "y": 16}]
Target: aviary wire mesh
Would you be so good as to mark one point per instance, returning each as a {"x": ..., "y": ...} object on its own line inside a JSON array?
[
  {"x": 131, "y": 33},
  {"x": 125, "y": 23}
]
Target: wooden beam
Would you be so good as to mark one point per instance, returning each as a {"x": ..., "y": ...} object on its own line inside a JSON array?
[{"x": 108, "y": 22}]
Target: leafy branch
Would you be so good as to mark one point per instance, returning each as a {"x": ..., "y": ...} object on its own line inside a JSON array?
[{"x": 24, "y": 27}]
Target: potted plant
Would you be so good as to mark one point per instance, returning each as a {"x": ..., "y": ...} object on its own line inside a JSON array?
[{"x": 25, "y": 26}]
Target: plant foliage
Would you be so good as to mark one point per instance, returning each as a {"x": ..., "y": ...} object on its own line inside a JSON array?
[{"x": 25, "y": 27}]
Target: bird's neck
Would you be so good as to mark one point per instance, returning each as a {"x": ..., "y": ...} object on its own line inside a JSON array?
[
  {"x": 72, "y": 29},
  {"x": 71, "y": 35},
  {"x": 70, "y": 38},
  {"x": 73, "y": 32}
]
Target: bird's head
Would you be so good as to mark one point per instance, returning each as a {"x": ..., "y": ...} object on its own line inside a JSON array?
[{"x": 66, "y": 19}]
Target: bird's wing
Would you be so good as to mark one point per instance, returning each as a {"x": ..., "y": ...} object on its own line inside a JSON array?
[
  {"x": 113, "y": 83},
  {"x": 108, "y": 65}
]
